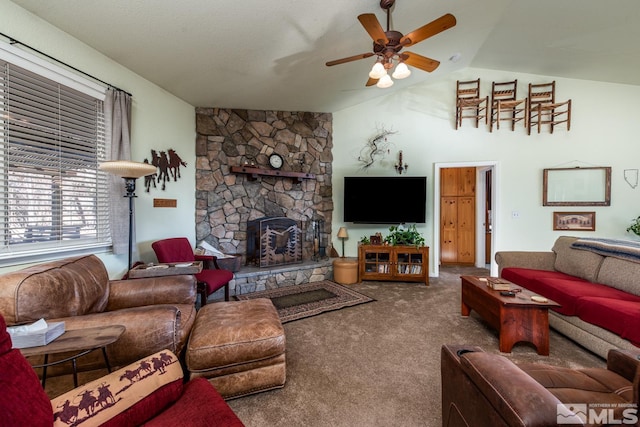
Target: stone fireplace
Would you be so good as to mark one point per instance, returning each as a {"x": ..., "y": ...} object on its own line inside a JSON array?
[
  {"x": 273, "y": 241},
  {"x": 226, "y": 202}
]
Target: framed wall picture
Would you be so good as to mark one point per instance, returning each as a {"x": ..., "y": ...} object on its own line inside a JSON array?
[
  {"x": 576, "y": 186},
  {"x": 575, "y": 221}
]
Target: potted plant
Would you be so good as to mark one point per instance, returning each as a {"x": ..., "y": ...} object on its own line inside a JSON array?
[
  {"x": 635, "y": 226},
  {"x": 404, "y": 236}
]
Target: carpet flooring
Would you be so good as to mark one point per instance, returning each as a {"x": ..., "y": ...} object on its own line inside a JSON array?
[
  {"x": 378, "y": 364},
  {"x": 301, "y": 301}
]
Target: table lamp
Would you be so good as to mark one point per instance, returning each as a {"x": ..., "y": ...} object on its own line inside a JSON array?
[
  {"x": 342, "y": 235},
  {"x": 130, "y": 171}
]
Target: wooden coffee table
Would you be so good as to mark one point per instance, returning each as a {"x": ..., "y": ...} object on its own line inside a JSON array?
[{"x": 515, "y": 318}]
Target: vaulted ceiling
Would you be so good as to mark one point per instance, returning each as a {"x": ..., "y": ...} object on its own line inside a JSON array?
[{"x": 270, "y": 55}]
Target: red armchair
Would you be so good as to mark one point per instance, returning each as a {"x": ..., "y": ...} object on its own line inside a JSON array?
[
  {"x": 178, "y": 249},
  {"x": 150, "y": 392}
]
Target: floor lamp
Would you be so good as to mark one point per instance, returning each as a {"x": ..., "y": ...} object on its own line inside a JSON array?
[{"x": 130, "y": 171}]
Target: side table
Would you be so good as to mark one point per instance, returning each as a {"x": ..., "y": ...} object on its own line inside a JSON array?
[
  {"x": 345, "y": 271},
  {"x": 165, "y": 269},
  {"x": 82, "y": 341}
]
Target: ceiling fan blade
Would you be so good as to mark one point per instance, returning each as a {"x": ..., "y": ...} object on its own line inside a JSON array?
[
  {"x": 349, "y": 59},
  {"x": 431, "y": 29},
  {"x": 419, "y": 61},
  {"x": 373, "y": 27},
  {"x": 371, "y": 82}
]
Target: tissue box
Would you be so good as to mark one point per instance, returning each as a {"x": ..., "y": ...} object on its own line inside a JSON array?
[{"x": 37, "y": 338}]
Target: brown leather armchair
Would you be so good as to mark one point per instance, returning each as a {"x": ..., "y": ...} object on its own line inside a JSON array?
[
  {"x": 158, "y": 312},
  {"x": 484, "y": 389}
]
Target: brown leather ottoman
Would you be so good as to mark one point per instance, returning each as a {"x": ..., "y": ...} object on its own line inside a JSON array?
[{"x": 239, "y": 346}]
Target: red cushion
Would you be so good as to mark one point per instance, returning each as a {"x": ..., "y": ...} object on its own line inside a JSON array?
[
  {"x": 621, "y": 317},
  {"x": 199, "y": 406},
  {"x": 524, "y": 276},
  {"x": 149, "y": 407},
  {"x": 22, "y": 400},
  {"x": 568, "y": 293},
  {"x": 215, "y": 279}
]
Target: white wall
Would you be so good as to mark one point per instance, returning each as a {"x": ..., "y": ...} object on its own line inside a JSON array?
[
  {"x": 160, "y": 121},
  {"x": 604, "y": 132}
]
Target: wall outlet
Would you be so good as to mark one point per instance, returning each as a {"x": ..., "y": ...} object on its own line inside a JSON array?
[{"x": 515, "y": 214}]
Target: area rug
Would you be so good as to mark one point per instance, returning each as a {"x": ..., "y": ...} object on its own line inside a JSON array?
[{"x": 299, "y": 301}]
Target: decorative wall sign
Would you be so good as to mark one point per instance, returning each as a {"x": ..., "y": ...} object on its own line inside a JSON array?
[
  {"x": 168, "y": 164},
  {"x": 631, "y": 176},
  {"x": 575, "y": 221},
  {"x": 165, "y": 203}
]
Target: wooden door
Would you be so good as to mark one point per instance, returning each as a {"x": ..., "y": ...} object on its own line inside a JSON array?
[
  {"x": 466, "y": 231},
  {"x": 466, "y": 181},
  {"x": 457, "y": 215},
  {"x": 448, "y": 229},
  {"x": 449, "y": 182}
]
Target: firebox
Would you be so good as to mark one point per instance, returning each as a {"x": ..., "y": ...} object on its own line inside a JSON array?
[{"x": 273, "y": 241}]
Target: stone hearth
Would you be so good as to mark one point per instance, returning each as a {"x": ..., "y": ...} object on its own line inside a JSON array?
[{"x": 253, "y": 279}]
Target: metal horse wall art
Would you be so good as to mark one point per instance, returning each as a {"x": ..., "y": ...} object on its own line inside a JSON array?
[{"x": 168, "y": 164}]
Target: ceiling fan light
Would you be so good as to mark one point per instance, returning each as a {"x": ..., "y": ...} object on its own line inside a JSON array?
[
  {"x": 377, "y": 71},
  {"x": 385, "y": 82},
  {"x": 401, "y": 71}
]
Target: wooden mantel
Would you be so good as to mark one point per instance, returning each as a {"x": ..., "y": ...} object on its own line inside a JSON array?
[{"x": 255, "y": 172}]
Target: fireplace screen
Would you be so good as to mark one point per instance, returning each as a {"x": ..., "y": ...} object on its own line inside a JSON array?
[{"x": 273, "y": 241}]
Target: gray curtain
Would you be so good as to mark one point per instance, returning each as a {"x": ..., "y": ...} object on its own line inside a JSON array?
[{"x": 117, "y": 117}]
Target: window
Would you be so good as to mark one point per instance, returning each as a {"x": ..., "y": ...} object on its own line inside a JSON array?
[{"x": 52, "y": 197}]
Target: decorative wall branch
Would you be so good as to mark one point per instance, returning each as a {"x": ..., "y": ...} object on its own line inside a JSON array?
[{"x": 376, "y": 147}]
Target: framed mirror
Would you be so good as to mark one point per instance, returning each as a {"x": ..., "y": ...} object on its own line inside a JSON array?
[{"x": 576, "y": 186}]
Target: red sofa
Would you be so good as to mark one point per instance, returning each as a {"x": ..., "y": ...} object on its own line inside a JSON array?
[
  {"x": 153, "y": 396},
  {"x": 594, "y": 280}
]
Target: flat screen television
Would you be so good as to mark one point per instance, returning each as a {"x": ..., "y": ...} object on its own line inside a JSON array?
[{"x": 385, "y": 200}]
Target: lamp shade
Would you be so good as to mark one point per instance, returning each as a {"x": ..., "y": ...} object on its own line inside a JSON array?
[
  {"x": 401, "y": 71},
  {"x": 127, "y": 168},
  {"x": 342, "y": 233},
  {"x": 377, "y": 71},
  {"x": 385, "y": 82}
]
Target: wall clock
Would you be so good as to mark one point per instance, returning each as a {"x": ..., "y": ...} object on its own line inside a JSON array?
[{"x": 276, "y": 161}]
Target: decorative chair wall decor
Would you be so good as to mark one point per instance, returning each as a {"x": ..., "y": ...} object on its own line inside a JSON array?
[
  {"x": 505, "y": 106},
  {"x": 538, "y": 109},
  {"x": 469, "y": 104},
  {"x": 543, "y": 108}
]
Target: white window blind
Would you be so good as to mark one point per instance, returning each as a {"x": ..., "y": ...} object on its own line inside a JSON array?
[{"x": 52, "y": 197}]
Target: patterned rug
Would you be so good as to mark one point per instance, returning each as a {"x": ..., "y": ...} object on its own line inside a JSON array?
[{"x": 300, "y": 301}]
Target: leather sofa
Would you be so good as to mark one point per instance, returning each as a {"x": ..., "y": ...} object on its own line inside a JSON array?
[
  {"x": 158, "y": 312},
  {"x": 594, "y": 280},
  {"x": 156, "y": 396},
  {"x": 483, "y": 389}
]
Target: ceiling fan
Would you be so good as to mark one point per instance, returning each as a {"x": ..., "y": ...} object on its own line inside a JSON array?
[{"x": 388, "y": 44}]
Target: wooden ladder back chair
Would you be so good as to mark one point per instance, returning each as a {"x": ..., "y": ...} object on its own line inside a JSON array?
[
  {"x": 544, "y": 110},
  {"x": 505, "y": 106},
  {"x": 468, "y": 100}
]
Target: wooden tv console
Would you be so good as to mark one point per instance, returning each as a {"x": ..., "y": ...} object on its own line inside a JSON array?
[{"x": 394, "y": 263}]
